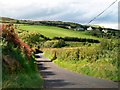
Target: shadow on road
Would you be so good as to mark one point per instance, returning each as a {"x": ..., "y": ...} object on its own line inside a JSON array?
[
  {"x": 55, "y": 77},
  {"x": 56, "y": 83},
  {"x": 48, "y": 82}
]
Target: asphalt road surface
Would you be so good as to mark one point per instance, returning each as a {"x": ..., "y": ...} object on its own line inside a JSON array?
[{"x": 56, "y": 77}]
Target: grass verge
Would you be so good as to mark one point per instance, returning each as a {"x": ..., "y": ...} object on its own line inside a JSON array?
[
  {"x": 97, "y": 69},
  {"x": 17, "y": 72}
]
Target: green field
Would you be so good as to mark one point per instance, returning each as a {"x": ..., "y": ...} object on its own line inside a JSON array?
[
  {"x": 91, "y": 53},
  {"x": 50, "y": 31},
  {"x": 92, "y": 59}
]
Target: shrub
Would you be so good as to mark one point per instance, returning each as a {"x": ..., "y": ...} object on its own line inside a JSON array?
[
  {"x": 59, "y": 44},
  {"x": 77, "y": 39},
  {"x": 16, "y": 68},
  {"x": 75, "y": 54},
  {"x": 33, "y": 39},
  {"x": 11, "y": 37},
  {"x": 49, "y": 44},
  {"x": 93, "y": 61},
  {"x": 54, "y": 44}
]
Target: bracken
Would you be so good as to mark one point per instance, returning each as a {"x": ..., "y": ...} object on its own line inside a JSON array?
[{"x": 8, "y": 32}]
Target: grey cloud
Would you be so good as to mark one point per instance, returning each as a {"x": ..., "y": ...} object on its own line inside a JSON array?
[{"x": 72, "y": 10}]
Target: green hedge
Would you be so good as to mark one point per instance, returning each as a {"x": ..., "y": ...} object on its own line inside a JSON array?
[
  {"x": 106, "y": 49},
  {"x": 54, "y": 44},
  {"x": 98, "y": 61},
  {"x": 90, "y": 53},
  {"x": 87, "y": 60},
  {"x": 77, "y": 39}
]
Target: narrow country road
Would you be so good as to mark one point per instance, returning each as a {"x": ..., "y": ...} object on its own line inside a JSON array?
[{"x": 56, "y": 77}]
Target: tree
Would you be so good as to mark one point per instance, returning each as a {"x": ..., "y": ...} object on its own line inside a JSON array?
[{"x": 17, "y": 21}]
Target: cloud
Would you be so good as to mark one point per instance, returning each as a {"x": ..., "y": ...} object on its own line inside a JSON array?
[{"x": 80, "y": 11}]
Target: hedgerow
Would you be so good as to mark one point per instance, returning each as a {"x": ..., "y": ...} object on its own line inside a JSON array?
[
  {"x": 18, "y": 61},
  {"x": 77, "y": 39},
  {"x": 89, "y": 57}
]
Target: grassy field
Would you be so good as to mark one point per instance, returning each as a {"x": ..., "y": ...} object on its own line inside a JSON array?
[
  {"x": 93, "y": 59},
  {"x": 50, "y": 31}
]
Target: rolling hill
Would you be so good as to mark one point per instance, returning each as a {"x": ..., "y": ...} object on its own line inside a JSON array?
[{"x": 50, "y": 31}]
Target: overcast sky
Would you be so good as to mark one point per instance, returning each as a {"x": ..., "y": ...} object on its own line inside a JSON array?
[{"x": 79, "y": 11}]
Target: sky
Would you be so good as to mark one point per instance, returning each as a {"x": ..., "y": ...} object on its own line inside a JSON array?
[{"x": 78, "y": 11}]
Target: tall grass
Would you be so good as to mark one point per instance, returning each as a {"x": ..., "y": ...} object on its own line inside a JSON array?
[
  {"x": 23, "y": 76},
  {"x": 98, "y": 61}
]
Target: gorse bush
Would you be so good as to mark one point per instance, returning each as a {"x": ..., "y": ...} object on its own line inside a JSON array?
[
  {"x": 19, "y": 69},
  {"x": 10, "y": 36}
]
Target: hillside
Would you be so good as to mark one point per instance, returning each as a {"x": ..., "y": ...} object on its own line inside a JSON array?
[
  {"x": 7, "y": 20},
  {"x": 61, "y": 24},
  {"x": 50, "y": 31}
]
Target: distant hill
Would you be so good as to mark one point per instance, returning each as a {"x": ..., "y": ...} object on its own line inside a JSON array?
[
  {"x": 7, "y": 20},
  {"x": 61, "y": 24}
]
